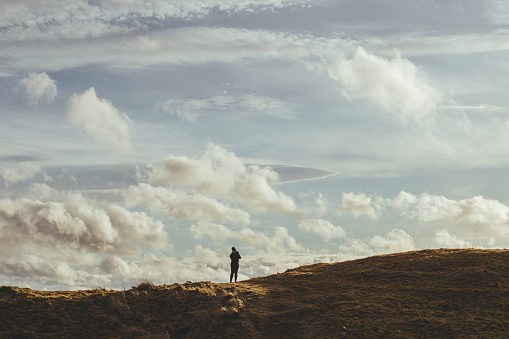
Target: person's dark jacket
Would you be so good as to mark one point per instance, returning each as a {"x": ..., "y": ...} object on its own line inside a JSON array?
[{"x": 235, "y": 256}]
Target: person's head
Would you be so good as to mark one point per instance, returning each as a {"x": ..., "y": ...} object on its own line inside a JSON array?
[{"x": 233, "y": 249}]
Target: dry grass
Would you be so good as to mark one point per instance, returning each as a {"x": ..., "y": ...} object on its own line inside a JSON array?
[{"x": 431, "y": 293}]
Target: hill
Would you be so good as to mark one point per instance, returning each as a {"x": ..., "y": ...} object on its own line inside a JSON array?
[{"x": 429, "y": 293}]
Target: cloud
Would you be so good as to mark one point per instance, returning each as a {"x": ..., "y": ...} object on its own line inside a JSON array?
[
  {"x": 189, "y": 109},
  {"x": 23, "y": 20},
  {"x": 395, "y": 86},
  {"x": 172, "y": 46},
  {"x": 444, "y": 239},
  {"x": 497, "y": 11},
  {"x": 222, "y": 175},
  {"x": 30, "y": 266},
  {"x": 282, "y": 241},
  {"x": 39, "y": 88},
  {"x": 477, "y": 213},
  {"x": 66, "y": 224},
  {"x": 178, "y": 204},
  {"x": 322, "y": 203},
  {"x": 23, "y": 172},
  {"x": 359, "y": 205},
  {"x": 395, "y": 241},
  {"x": 322, "y": 227},
  {"x": 100, "y": 120}
]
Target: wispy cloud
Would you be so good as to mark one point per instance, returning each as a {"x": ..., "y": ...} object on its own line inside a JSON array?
[
  {"x": 24, "y": 20},
  {"x": 39, "y": 88},
  {"x": 190, "y": 109}
]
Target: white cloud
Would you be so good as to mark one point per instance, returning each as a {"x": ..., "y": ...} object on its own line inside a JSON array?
[
  {"x": 221, "y": 174},
  {"x": 38, "y": 88},
  {"x": 282, "y": 241},
  {"x": 404, "y": 200},
  {"x": 394, "y": 85},
  {"x": 31, "y": 265},
  {"x": 323, "y": 228},
  {"x": 178, "y": 204},
  {"x": 322, "y": 203},
  {"x": 477, "y": 213},
  {"x": 189, "y": 109},
  {"x": 100, "y": 120},
  {"x": 26, "y": 20},
  {"x": 216, "y": 231},
  {"x": 56, "y": 225},
  {"x": 23, "y": 172},
  {"x": 184, "y": 109},
  {"x": 444, "y": 239},
  {"x": 359, "y": 205},
  {"x": 395, "y": 241},
  {"x": 498, "y": 11},
  {"x": 190, "y": 45}
]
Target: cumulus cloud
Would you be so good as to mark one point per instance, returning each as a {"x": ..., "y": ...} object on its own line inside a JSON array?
[
  {"x": 59, "y": 224},
  {"x": 394, "y": 85},
  {"x": 281, "y": 241},
  {"x": 23, "y": 172},
  {"x": 359, "y": 205},
  {"x": 223, "y": 175},
  {"x": 322, "y": 227},
  {"x": 395, "y": 241},
  {"x": 189, "y": 109},
  {"x": 100, "y": 120},
  {"x": 182, "y": 205},
  {"x": 404, "y": 200},
  {"x": 44, "y": 271},
  {"x": 477, "y": 213},
  {"x": 444, "y": 239},
  {"x": 39, "y": 88}
]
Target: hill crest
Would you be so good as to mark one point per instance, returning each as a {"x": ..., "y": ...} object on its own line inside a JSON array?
[{"x": 430, "y": 293}]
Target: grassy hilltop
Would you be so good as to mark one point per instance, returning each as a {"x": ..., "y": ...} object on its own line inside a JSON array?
[{"x": 430, "y": 293}]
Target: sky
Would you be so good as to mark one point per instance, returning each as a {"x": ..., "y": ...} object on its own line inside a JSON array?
[{"x": 141, "y": 140}]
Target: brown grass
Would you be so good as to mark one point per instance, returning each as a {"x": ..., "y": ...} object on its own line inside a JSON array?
[{"x": 430, "y": 293}]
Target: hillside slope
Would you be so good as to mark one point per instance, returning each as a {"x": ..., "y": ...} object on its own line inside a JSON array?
[{"x": 430, "y": 293}]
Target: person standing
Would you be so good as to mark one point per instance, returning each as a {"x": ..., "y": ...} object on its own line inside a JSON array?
[{"x": 235, "y": 257}]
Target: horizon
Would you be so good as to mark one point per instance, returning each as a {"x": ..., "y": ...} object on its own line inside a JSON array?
[{"x": 142, "y": 140}]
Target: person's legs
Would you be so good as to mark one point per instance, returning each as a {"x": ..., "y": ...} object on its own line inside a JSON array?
[{"x": 234, "y": 270}]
